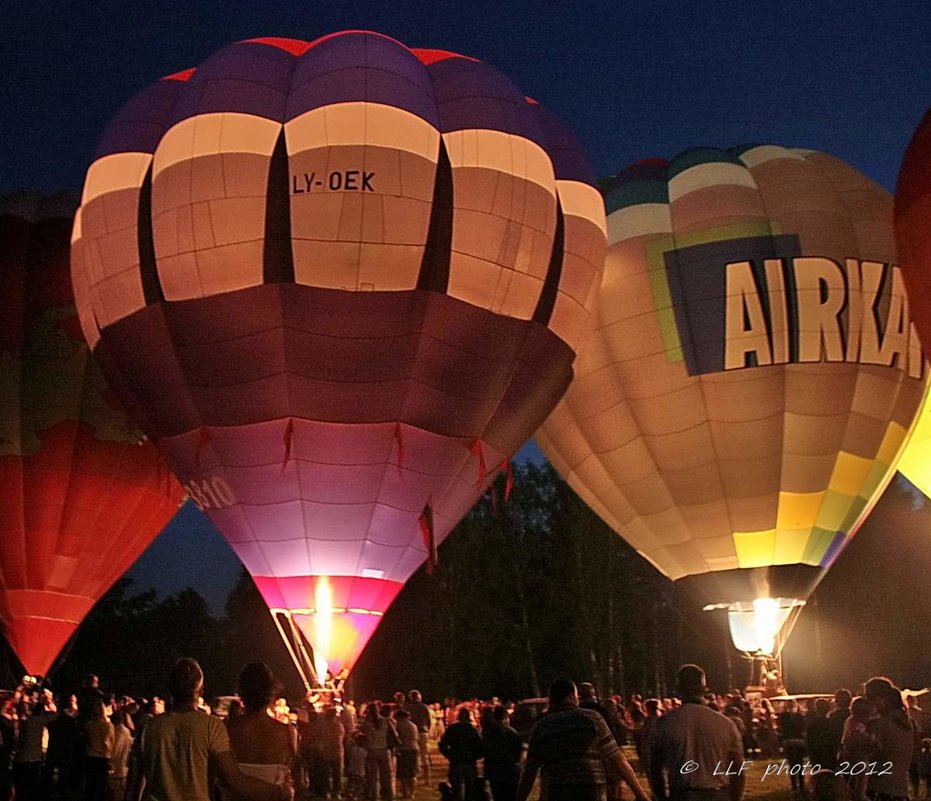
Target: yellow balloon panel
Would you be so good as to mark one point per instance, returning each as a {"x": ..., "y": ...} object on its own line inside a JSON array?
[
  {"x": 915, "y": 463},
  {"x": 753, "y": 373}
]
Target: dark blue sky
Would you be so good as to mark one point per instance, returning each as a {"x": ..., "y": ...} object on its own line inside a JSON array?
[{"x": 634, "y": 79}]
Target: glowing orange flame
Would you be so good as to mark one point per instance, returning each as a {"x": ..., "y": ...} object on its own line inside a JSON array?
[{"x": 323, "y": 627}]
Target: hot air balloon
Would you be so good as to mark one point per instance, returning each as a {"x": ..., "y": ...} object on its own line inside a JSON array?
[
  {"x": 912, "y": 212},
  {"x": 341, "y": 282},
  {"x": 913, "y": 226},
  {"x": 752, "y": 378},
  {"x": 81, "y": 494},
  {"x": 915, "y": 462}
]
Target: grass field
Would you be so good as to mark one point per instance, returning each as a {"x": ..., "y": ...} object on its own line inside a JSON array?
[{"x": 770, "y": 788}]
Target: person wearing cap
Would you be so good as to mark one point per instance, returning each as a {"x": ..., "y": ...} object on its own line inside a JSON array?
[
  {"x": 574, "y": 752},
  {"x": 696, "y": 754}
]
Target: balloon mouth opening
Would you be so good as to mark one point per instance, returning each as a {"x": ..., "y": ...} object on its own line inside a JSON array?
[
  {"x": 758, "y": 627},
  {"x": 325, "y": 640}
]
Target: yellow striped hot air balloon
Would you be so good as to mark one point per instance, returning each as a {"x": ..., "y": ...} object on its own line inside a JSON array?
[{"x": 753, "y": 376}]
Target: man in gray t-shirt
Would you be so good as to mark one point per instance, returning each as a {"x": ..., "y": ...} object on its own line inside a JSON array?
[{"x": 695, "y": 752}]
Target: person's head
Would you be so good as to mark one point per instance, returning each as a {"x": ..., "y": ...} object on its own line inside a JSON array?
[
  {"x": 68, "y": 703},
  {"x": 415, "y": 696},
  {"x": 91, "y": 682},
  {"x": 185, "y": 682},
  {"x": 330, "y": 713},
  {"x": 884, "y": 694},
  {"x": 563, "y": 692},
  {"x": 500, "y": 714},
  {"x": 691, "y": 680},
  {"x": 842, "y": 698},
  {"x": 258, "y": 687},
  {"x": 653, "y": 706},
  {"x": 587, "y": 692},
  {"x": 465, "y": 715},
  {"x": 121, "y": 718},
  {"x": 401, "y": 714},
  {"x": 822, "y": 707},
  {"x": 97, "y": 711},
  {"x": 371, "y": 713},
  {"x": 926, "y": 744},
  {"x": 399, "y": 698},
  {"x": 861, "y": 708}
]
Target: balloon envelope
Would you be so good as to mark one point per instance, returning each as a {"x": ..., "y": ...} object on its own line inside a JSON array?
[
  {"x": 913, "y": 226},
  {"x": 753, "y": 375},
  {"x": 81, "y": 494},
  {"x": 340, "y": 282}
]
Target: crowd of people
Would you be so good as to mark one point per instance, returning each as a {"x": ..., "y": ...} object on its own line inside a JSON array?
[{"x": 695, "y": 747}]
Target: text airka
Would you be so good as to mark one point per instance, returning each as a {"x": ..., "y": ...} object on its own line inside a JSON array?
[
  {"x": 333, "y": 181},
  {"x": 813, "y": 309}
]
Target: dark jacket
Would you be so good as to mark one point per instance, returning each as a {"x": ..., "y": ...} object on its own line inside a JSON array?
[
  {"x": 461, "y": 744},
  {"x": 503, "y": 748}
]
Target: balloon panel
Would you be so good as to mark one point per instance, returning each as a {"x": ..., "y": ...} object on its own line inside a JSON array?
[
  {"x": 915, "y": 462},
  {"x": 81, "y": 493},
  {"x": 753, "y": 374},
  {"x": 343, "y": 283},
  {"x": 912, "y": 228}
]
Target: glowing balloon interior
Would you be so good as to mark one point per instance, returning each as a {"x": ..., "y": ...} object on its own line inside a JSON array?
[
  {"x": 340, "y": 282},
  {"x": 753, "y": 375},
  {"x": 756, "y": 626},
  {"x": 81, "y": 494},
  {"x": 915, "y": 463}
]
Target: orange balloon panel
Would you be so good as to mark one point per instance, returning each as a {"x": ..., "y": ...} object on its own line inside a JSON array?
[
  {"x": 81, "y": 493},
  {"x": 754, "y": 374}
]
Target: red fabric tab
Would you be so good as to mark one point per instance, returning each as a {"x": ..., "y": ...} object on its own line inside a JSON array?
[
  {"x": 476, "y": 449},
  {"x": 398, "y": 438},
  {"x": 429, "y": 536},
  {"x": 288, "y": 440}
]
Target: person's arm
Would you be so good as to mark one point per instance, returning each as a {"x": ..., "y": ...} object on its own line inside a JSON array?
[
  {"x": 246, "y": 786},
  {"x": 527, "y": 777},
  {"x": 616, "y": 764},
  {"x": 619, "y": 766},
  {"x": 444, "y": 744},
  {"x": 737, "y": 782},
  {"x": 656, "y": 778},
  {"x": 135, "y": 782},
  {"x": 292, "y": 742}
]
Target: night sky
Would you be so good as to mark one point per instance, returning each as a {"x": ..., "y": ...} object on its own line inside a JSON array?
[{"x": 634, "y": 79}]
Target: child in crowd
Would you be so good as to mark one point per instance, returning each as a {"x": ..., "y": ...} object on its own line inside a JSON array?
[
  {"x": 924, "y": 765},
  {"x": 857, "y": 744},
  {"x": 355, "y": 767}
]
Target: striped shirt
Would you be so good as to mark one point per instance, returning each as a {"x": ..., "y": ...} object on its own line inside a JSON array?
[{"x": 573, "y": 748}]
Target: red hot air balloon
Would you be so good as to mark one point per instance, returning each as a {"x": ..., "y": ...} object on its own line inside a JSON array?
[
  {"x": 341, "y": 283},
  {"x": 913, "y": 227},
  {"x": 81, "y": 494}
]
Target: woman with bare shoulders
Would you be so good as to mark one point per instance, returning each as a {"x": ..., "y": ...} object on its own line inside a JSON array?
[{"x": 264, "y": 747}]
